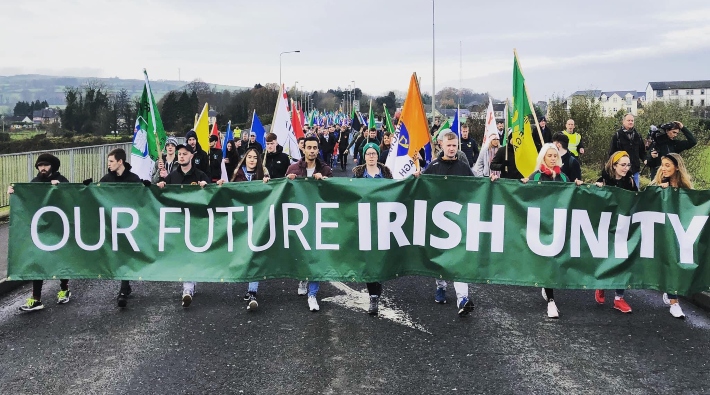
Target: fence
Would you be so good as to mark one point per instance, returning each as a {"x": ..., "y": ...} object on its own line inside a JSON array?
[{"x": 77, "y": 165}]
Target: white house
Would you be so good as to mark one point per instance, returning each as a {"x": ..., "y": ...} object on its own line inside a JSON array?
[
  {"x": 689, "y": 93},
  {"x": 627, "y": 101}
]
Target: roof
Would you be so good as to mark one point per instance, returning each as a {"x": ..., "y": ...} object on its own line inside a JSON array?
[
  {"x": 450, "y": 112},
  {"x": 45, "y": 113},
  {"x": 662, "y": 85},
  {"x": 621, "y": 93},
  {"x": 498, "y": 106},
  {"x": 212, "y": 113},
  {"x": 588, "y": 92}
]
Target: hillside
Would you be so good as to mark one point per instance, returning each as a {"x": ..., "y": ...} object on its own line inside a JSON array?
[{"x": 32, "y": 87}]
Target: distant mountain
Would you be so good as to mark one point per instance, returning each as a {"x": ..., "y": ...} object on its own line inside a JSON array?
[{"x": 31, "y": 87}]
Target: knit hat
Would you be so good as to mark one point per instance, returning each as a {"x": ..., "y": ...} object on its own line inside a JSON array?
[
  {"x": 189, "y": 134},
  {"x": 370, "y": 145},
  {"x": 48, "y": 159},
  {"x": 543, "y": 119},
  {"x": 171, "y": 140},
  {"x": 213, "y": 138}
]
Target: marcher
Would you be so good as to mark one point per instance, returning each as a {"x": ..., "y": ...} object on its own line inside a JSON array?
[
  {"x": 469, "y": 146},
  {"x": 503, "y": 163},
  {"x": 120, "y": 171},
  {"x": 250, "y": 168},
  {"x": 673, "y": 173},
  {"x": 459, "y": 154},
  {"x": 616, "y": 174},
  {"x": 168, "y": 161},
  {"x": 576, "y": 145},
  {"x": 310, "y": 166},
  {"x": 629, "y": 140},
  {"x": 385, "y": 147},
  {"x": 372, "y": 169},
  {"x": 47, "y": 166},
  {"x": 548, "y": 170},
  {"x": 186, "y": 174},
  {"x": 215, "y": 159},
  {"x": 327, "y": 144},
  {"x": 199, "y": 157},
  {"x": 232, "y": 158},
  {"x": 569, "y": 164},
  {"x": 546, "y": 134},
  {"x": 253, "y": 143},
  {"x": 343, "y": 147},
  {"x": 665, "y": 143},
  {"x": 482, "y": 168},
  {"x": 450, "y": 165},
  {"x": 500, "y": 125},
  {"x": 276, "y": 161}
]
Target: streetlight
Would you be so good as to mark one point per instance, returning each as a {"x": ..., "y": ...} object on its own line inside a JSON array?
[
  {"x": 352, "y": 98},
  {"x": 280, "y": 64}
]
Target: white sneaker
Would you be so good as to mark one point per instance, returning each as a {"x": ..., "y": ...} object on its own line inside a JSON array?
[
  {"x": 544, "y": 294},
  {"x": 665, "y": 299},
  {"x": 313, "y": 303},
  {"x": 303, "y": 288},
  {"x": 552, "y": 311},
  {"x": 676, "y": 311}
]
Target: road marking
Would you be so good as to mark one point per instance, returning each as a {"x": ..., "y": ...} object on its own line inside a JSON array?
[{"x": 355, "y": 300}]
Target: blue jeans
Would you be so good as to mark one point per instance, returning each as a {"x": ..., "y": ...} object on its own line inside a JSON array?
[
  {"x": 253, "y": 287},
  {"x": 313, "y": 287},
  {"x": 636, "y": 180}
]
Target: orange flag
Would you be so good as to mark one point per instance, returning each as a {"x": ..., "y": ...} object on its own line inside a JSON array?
[
  {"x": 296, "y": 122},
  {"x": 414, "y": 118}
]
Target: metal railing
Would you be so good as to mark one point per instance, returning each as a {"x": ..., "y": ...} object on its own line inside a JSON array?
[{"x": 77, "y": 165}]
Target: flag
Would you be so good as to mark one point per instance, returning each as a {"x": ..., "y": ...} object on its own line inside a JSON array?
[
  {"x": 456, "y": 126},
  {"x": 296, "y": 122},
  {"x": 506, "y": 119},
  {"x": 258, "y": 129},
  {"x": 388, "y": 121},
  {"x": 414, "y": 117},
  {"x": 398, "y": 159},
  {"x": 445, "y": 125},
  {"x": 228, "y": 136},
  {"x": 149, "y": 136},
  {"x": 371, "y": 118},
  {"x": 215, "y": 132},
  {"x": 356, "y": 123},
  {"x": 525, "y": 151},
  {"x": 202, "y": 128},
  {"x": 490, "y": 121},
  {"x": 281, "y": 126}
]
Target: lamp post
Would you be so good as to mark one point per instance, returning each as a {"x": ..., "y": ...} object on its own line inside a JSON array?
[
  {"x": 352, "y": 97},
  {"x": 280, "y": 64}
]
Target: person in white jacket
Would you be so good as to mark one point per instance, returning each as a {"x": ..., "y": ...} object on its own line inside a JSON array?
[{"x": 491, "y": 143}]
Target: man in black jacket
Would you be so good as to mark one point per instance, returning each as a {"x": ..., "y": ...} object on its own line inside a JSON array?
[
  {"x": 629, "y": 140},
  {"x": 200, "y": 158},
  {"x": 343, "y": 141},
  {"x": 449, "y": 165},
  {"x": 503, "y": 164},
  {"x": 570, "y": 165},
  {"x": 469, "y": 145},
  {"x": 215, "y": 159},
  {"x": 186, "y": 174},
  {"x": 666, "y": 143},
  {"x": 546, "y": 134},
  {"x": 276, "y": 161},
  {"x": 120, "y": 171},
  {"x": 47, "y": 166},
  {"x": 327, "y": 144}
]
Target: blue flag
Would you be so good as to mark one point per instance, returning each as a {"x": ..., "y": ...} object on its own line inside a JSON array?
[
  {"x": 456, "y": 127},
  {"x": 258, "y": 129},
  {"x": 228, "y": 136}
]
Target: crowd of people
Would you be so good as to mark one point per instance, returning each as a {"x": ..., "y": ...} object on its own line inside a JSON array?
[{"x": 322, "y": 148}]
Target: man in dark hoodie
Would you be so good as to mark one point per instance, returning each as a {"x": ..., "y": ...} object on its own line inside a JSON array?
[
  {"x": 200, "y": 158},
  {"x": 276, "y": 161},
  {"x": 120, "y": 171},
  {"x": 343, "y": 141},
  {"x": 47, "y": 166},
  {"x": 215, "y": 159},
  {"x": 546, "y": 134}
]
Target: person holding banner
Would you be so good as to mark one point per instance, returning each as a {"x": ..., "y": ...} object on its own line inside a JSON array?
[
  {"x": 616, "y": 174},
  {"x": 250, "y": 168},
  {"x": 674, "y": 174},
  {"x": 372, "y": 169},
  {"x": 47, "y": 166},
  {"x": 120, "y": 171},
  {"x": 548, "y": 169},
  {"x": 450, "y": 164},
  {"x": 186, "y": 174},
  {"x": 310, "y": 166}
]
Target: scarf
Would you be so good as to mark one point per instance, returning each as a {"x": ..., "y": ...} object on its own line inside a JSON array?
[
  {"x": 247, "y": 174},
  {"x": 552, "y": 173}
]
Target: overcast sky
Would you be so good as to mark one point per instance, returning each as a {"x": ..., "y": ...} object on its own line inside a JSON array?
[{"x": 562, "y": 46}]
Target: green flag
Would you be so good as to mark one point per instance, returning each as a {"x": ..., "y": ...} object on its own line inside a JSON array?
[
  {"x": 149, "y": 135},
  {"x": 525, "y": 151},
  {"x": 371, "y": 118},
  {"x": 445, "y": 125},
  {"x": 388, "y": 120}
]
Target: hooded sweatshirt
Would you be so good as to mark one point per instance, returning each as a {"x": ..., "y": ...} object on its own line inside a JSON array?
[
  {"x": 277, "y": 163},
  {"x": 200, "y": 159},
  {"x": 126, "y": 176}
]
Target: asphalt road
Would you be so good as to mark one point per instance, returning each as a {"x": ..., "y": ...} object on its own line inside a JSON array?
[{"x": 507, "y": 345}]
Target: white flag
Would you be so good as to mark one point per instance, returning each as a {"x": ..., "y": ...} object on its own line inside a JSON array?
[
  {"x": 490, "y": 121},
  {"x": 398, "y": 160},
  {"x": 281, "y": 126}
]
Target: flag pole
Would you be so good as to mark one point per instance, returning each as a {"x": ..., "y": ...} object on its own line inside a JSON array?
[
  {"x": 532, "y": 108},
  {"x": 158, "y": 149}
]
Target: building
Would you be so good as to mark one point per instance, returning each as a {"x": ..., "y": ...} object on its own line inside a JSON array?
[
  {"x": 212, "y": 117},
  {"x": 612, "y": 102},
  {"x": 689, "y": 93},
  {"x": 45, "y": 116}
]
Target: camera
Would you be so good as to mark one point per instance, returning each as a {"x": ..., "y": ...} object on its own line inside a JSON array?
[{"x": 669, "y": 126}]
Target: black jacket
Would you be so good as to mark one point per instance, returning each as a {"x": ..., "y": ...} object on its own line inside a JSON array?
[
  {"x": 624, "y": 183},
  {"x": 277, "y": 163},
  {"x": 384, "y": 153},
  {"x": 470, "y": 148},
  {"x": 507, "y": 168},
  {"x": 546, "y": 137},
  {"x": 53, "y": 176},
  {"x": 327, "y": 146},
  {"x": 664, "y": 146},
  {"x": 192, "y": 177},
  {"x": 343, "y": 140},
  {"x": 571, "y": 167},
  {"x": 631, "y": 142},
  {"x": 127, "y": 176},
  {"x": 448, "y": 168},
  {"x": 215, "y": 159}
]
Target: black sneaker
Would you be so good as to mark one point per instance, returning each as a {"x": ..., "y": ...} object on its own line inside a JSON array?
[
  {"x": 122, "y": 299},
  {"x": 32, "y": 305},
  {"x": 127, "y": 291},
  {"x": 252, "y": 305},
  {"x": 374, "y": 305},
  {"x": 247, "y": 296}
]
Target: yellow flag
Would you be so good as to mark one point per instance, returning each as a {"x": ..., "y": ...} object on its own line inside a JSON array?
[
  {"x": 521, "y": 138},
  {"x": 202, "y": 128}
]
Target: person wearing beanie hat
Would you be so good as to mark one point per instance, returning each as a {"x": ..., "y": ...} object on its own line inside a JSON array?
[
  {"x": 47, "y": 166},
  {"x": 215, "y": 159},
  {"x": 372, "y": 169},
  {"x": 545, "y": 131},
  {"x": 200, "y": 158},
  {"x": 168, "y": 162}
]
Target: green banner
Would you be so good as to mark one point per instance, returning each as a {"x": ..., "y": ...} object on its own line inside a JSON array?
[{"x": 456, "y": 228}]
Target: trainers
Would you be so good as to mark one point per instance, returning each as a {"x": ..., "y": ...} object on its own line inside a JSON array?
[
  {"x": 440, "y": 296},
  {"x": 544, "y": 294},
  {"x": 127, "y": 291},
  {"x": 465, "y": 307},
  {"x": 552, "y": 311},
  {"x": 247, "y": 296},
  {"x": 599, "y": 296},
  {"x": 252, "y": 305},
  {"x": 621, "y": 305},
  {"x": 676, "y": 311},
  {"x": 32, "y": 305},
  {"x": 303, "y": 288},
  {"x": 313, "y": 304},
  {"x": 122, "y": 299},
  {"x": 63, "y": 296},
  {"x": 186, "y": 299},
  {"x": 374, "y": 305},
  {"x": 665, "y": 299}
]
